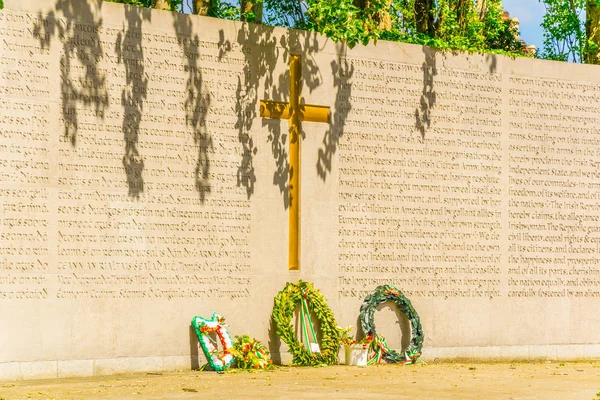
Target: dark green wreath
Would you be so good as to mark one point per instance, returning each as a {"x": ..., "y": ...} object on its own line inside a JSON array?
[
  {"x": 384, "y": 294},
  {"x": 283, "y": 311}
]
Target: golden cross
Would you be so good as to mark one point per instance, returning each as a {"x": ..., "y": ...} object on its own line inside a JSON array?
[{"x": 295, "y": 112}]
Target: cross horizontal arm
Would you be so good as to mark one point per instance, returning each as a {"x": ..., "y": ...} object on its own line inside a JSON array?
[
  {"x": 314, "y": 113},
  {"x": 281, "y": 110},
  {"x": 274, "y": 109}
]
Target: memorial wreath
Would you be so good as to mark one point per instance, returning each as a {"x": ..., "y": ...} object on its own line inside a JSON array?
[
  {"x": 383, "y": 294},
  {"x": 218, "y": 360},
  {"x": 309, "y": 299}
]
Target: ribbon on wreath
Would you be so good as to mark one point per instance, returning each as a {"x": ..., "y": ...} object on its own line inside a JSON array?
[{"x": 306, "y": 323}]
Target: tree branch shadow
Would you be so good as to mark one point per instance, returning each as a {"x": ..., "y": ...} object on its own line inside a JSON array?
[
  {"x": 342, "y": 73},
  {"x": 130, "y": 53},
  {"x": 84, "y": 82},
  {"x": 265, "y": 48},
  {"x": 428, "y": 95},
  {"x": 197, "y": 103},
  {"x": 81, "y": 51}
]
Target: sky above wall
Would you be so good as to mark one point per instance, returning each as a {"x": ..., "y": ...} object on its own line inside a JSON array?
[{"x": 530, "y": 14}]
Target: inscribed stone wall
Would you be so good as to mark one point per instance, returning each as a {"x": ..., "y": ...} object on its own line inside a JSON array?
[
  {"x": 121, "y": 192},
  {"x": 147, "y": 130},
  {"x": 553, "y": 188},
  {"x": 139, "y": 187},
  {"x": 425, "y": 206},
  {"x": 487, "y": 201}
]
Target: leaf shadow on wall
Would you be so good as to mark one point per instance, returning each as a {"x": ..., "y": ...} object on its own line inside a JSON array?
[
  {"x": 84, "y": 83},
  {"x": 305, "y": 44},
  {"x": 428, "y": 95},
  {"x": 88, "y": 87},
  {"x": 342, "y": 72},
  {"x": 263, "y": 48},
  {"x": 197, "y": 103},
  {"x": 130, "y": 53},
  {"x": 259, "y": 48},
  {"x": 492, "y": 63}
]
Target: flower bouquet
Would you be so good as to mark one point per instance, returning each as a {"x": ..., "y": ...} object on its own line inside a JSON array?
[{"x": 251, "y": 353}]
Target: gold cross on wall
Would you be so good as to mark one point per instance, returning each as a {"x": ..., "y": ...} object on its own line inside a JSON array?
[{"x": 295, "y": 112}]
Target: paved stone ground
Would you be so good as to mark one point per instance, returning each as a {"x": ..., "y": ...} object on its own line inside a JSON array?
[{"x": 482, "y": 381}]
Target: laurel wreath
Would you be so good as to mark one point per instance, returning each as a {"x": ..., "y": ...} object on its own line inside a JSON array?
[
  {"x": 390, "y": 293},
  {"x": 285, "y": 303}
]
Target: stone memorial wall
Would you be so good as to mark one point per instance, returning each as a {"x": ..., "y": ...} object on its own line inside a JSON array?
[{"x": 139, "y": 187}]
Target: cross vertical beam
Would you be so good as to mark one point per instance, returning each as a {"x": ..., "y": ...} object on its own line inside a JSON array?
[
  {"x": 295, "y": 112},
  {"x": 294, "y": 184}
]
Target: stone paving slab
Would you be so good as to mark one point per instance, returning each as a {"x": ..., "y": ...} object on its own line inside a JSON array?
[{"x": 516, "y": 381}]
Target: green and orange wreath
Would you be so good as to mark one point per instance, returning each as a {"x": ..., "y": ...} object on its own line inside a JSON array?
[
  {"x": 304, "y": 294},
  {"x": 383, "y": 294}
]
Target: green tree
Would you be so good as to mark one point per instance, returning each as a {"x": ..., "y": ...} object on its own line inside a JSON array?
[
  {"x": 201, "y": 7},
  {"x": 567, "y": 36},
  {"x": 592, "y": 32},
  {"x": 376, "y": 13},
  {"x": 564, "y": 34},
  {"x": 251, "y": 11},
  {"x": 455, "y": 24},
  {"x": 471, "y": 25},
  {"x": 498, "y": 32}
]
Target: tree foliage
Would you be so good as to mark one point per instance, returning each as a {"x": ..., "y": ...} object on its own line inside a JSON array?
[
  {"x": 564, "y": 34},
  {"x": 224, "y": 10},
  {"x": 445, "y": 24},
  {"x": 592, "y": 31},
  {"x": 455, "y": 24},
  {"x": 468, "y": 25},
  {"x": 159, "y": 4},
  {"x": 568, "y": 35}
]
